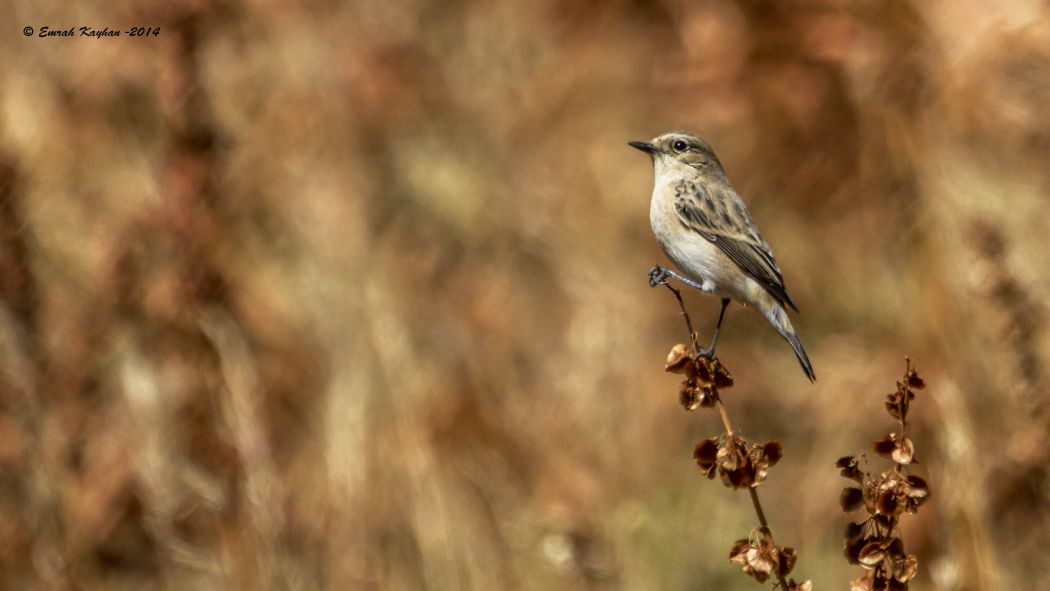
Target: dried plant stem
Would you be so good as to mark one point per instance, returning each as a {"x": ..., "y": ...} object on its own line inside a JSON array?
[
  {"x": 725, "y": 417},
  {"x": 781, "y": 582},
  {"x": 696, "y": 351},
  {"x": 765, "y": 528},
  {"x": 902, "y": 407},
  {"x": 689, "y": 325},
  {"x": 874, "y": 543},
  {"x": 751, "y": 490},
  {"x": 758, "y": 507}
]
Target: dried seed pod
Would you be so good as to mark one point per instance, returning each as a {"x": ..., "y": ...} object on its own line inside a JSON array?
[
  {"x": 849, "y": 468},
  {"x": 705, "y": 453},
  {"x": 903, "y": 452},
  {"x": 678, "y": 359},
  {"x": 885, "y": 445},
  {"x": 851, "y": 499}
]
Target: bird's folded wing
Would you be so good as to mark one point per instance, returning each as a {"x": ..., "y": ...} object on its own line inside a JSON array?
[{"x": 734, "y": 233}]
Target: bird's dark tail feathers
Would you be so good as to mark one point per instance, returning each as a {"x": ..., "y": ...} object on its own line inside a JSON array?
[
  {"x": 778, "y": 317},
  {"x": 803, "y": 359}
]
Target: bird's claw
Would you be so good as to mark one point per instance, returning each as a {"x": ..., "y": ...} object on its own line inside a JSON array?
[{"x": 657, "y": 276}]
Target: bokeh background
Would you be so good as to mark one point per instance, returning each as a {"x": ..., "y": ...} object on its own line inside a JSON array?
[{"x": 317, "y": 295}]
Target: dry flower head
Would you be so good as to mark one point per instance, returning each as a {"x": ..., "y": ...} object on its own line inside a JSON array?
[
  {"x": 760, "y": 558},
  {"x": 873, "y": 543},
  {"x": 737, "y": 461},
  {"x": 703, "y": 377}
]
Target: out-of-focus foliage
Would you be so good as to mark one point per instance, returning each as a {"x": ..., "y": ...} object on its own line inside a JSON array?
[{"x": 353, "y": 295}]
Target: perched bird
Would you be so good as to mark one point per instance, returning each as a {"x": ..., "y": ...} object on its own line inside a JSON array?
[{"x": 707, "y": 231}]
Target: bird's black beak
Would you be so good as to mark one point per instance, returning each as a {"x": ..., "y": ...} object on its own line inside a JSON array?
[{"x": 643, "y": 146}]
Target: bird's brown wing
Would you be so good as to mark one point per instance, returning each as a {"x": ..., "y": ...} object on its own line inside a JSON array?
[{"x": 720, "y": 217}]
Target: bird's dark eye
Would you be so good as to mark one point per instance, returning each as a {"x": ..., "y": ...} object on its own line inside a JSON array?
[{"x": 679, "y": 145}]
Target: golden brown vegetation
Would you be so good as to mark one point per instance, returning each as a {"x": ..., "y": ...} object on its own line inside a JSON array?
[{"x": 352, "y": 295}]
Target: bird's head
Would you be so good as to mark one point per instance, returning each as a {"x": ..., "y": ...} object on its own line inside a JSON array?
[{"x": 682, "y": 148}]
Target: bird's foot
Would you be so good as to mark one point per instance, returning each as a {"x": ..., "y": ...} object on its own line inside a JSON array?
[
  {"x": 658, "y": 276},
  {"x": 709, "y": 353}
]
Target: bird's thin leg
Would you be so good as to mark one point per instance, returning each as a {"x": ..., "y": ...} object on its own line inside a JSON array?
[
  {"x": 710, "y": 351},
  {"x": 658, "y": 276}
]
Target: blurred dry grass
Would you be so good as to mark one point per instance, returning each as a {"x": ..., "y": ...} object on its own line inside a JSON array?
[{"x": 323, "y": 295}]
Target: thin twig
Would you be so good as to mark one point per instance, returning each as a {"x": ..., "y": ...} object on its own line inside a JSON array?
[
  {"x": 765, "y": 528},
  {"x": 725, "y": 417},
  {"x": 758, "y": 508},
  {"x": 688, "y": 323}
]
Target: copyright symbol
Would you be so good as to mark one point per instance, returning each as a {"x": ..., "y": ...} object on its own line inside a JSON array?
[{"x": 28, "y": 31}]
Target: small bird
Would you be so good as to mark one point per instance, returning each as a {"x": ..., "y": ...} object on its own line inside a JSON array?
[{"x": 707, "y": 231}]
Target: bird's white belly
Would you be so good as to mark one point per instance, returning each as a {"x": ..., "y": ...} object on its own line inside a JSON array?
[{"x": 696, "y": 257}]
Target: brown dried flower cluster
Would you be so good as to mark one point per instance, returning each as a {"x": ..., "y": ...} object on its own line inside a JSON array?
[
  {"x": 874, "y": 543},
  {"x": 703, "y": 377},
  {"x": 761, "y": 558},
  {"x": 739, "y": 462}
]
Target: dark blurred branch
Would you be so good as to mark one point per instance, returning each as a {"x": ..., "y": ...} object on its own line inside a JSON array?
[
  {"x": 17, "y": 284},
  {"x": 38, "y": 480}
]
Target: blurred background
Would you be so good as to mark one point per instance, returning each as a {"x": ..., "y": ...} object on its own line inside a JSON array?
[{"x": 321, "y": 295}]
